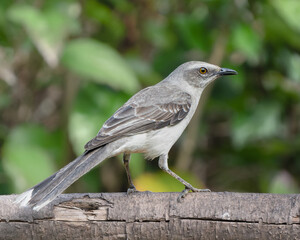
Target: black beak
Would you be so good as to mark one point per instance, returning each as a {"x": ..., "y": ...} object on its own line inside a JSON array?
[{"x": 227, "y": 71}]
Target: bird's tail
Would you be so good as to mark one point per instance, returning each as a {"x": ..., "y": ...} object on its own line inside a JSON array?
[{"x": 43, "y": 193}]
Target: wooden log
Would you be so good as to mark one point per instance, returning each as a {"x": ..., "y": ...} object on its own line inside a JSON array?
[{"x": 147, "y": 215}]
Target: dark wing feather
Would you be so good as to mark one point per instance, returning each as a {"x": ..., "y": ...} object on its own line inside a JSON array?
[{"x": 133, "y": 119}]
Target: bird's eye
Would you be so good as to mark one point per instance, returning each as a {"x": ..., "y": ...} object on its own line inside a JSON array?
[{"x": 203, "y": 70}]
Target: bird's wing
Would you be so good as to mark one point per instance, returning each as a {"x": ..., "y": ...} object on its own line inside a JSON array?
[{"x": 135, "y": 117}]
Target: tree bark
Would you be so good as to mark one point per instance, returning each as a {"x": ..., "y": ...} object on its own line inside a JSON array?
[{"x": 147, "y": 215}]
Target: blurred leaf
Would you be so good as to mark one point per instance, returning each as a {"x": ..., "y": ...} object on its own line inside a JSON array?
[
  {"x": 166, "y": 61},
  {"x": 124, "y": 6},
  {"x": 47, "y": 29},
  {"x": 5, "y": 99},
  {"x": 246, "y": 40},
  {"x": 93, "y": 106},
  {"x": 193, "y": 31},
  {"x": 26, "y": 156},
  {"x": 262, "y": 122},
  {"x": 4, "y": 40},
  {"x": 112, "y": 28},
  {"x": 159, "y": 34},
  {"x": 289, "y": 11},
  {"x": 284, "y": 183},
  {"x": 294, "y": 67},
  {"x": 278, "y": 32},
  {"x": 272, "y": 80},
  {"x": 99, "y": 62},
  {"x": 144, "y": 71}
]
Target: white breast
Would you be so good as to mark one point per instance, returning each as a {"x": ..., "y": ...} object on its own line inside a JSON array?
[{"x": 157, "y": 142}]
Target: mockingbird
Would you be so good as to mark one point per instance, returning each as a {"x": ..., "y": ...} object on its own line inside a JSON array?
[{"x": 150, "y": 122}]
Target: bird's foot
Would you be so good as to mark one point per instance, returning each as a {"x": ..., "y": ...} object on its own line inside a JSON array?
[
  {"x": 131, "y": 190},
  {"x": 200, "y": 190},
  {"x": 187, "y": 190}
]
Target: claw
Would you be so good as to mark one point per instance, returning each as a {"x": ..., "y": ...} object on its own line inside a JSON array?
[
  {"x": 186, "y": 191},
  {"x": 182, "y": 195},
  {"x": 131, "y": 190},
  {"x": 200, "y": 190}
]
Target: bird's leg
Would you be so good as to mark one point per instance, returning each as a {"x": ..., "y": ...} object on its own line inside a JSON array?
[
  {"x": 126, "y": 159},
  {"x": 163, "y": 164}
]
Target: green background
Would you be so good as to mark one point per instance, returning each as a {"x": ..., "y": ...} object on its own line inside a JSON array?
[{"x": 66, "y": 66}]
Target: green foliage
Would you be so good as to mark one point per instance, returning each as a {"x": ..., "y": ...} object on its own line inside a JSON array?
[
  {"x": 85, "y": 120},
  {"x": 66, "y": 66},
  {"x": 112, "y": 27},
  {"x": 100, "y": 62},
  {"x": 288, "y": 10},
  {"x": 263, "y": 122},
  {"x": 247, "y": 41},
  {"x": 28, "y": 155},
  {"x": 47, "y": 29}
]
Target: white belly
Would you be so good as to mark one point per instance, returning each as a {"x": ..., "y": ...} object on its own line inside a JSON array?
[
  {"x": 160, "y": 141},
  {"x": 156, "y": 142}
]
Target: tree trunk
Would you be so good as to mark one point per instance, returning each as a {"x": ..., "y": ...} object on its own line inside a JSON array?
[{"x": 149, "y": 215}]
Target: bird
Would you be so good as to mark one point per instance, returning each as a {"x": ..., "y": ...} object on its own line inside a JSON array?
[{"x": 150, "y": 122}]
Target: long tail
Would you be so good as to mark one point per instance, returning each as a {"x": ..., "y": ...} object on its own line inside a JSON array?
[{"x": 43, "y": 193}]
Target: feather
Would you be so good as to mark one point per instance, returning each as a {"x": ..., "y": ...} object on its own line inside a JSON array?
[{"x": 136, "y": 117}]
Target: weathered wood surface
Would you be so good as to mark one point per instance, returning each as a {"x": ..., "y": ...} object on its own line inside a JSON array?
[{"x": 155, "y": 216}]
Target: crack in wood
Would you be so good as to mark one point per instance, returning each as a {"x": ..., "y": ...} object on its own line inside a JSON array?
[{"x": 155, "y": 216}]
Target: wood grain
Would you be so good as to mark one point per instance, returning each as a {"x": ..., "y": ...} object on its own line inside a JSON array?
[{"x": 147, "y": 215}]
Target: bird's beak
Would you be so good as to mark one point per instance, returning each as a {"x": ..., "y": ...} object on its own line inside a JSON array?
[{"x": 227, "y": 71}]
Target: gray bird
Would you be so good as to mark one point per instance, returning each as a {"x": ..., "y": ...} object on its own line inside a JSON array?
[{"x": 150, "y": 122}]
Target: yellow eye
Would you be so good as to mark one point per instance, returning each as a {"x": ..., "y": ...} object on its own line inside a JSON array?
[{"x": 203, "y": 70}]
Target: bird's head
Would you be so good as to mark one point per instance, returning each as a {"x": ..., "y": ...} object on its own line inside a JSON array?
[{"x": 200, "y": 74}]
